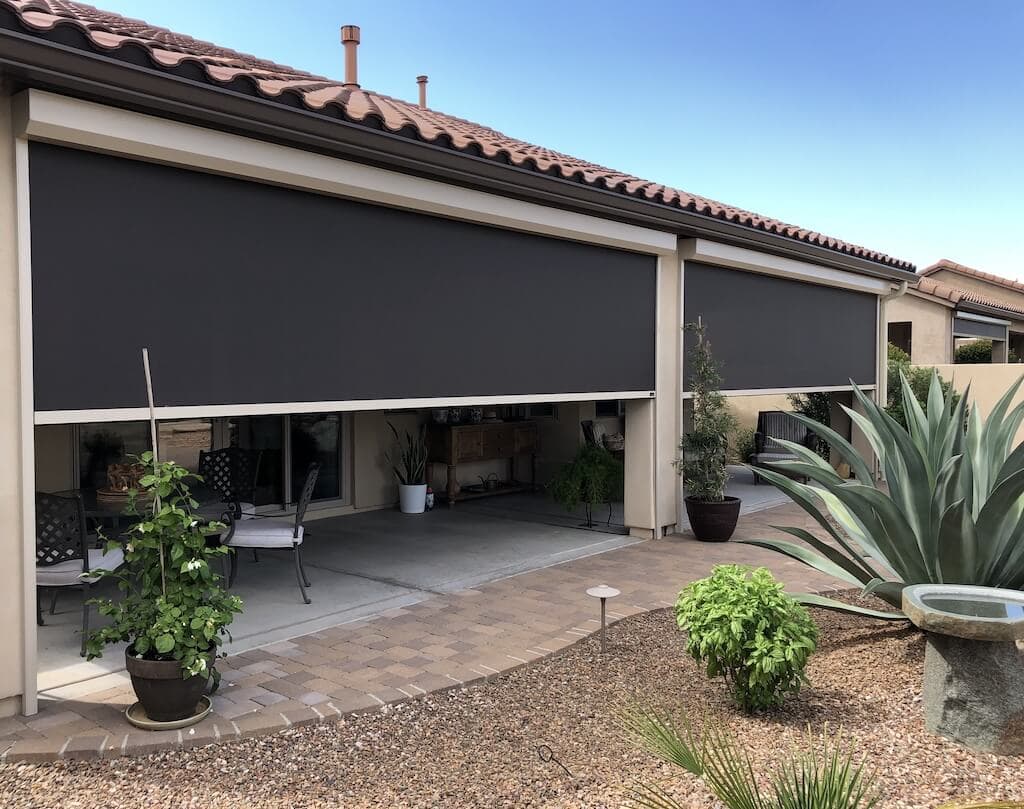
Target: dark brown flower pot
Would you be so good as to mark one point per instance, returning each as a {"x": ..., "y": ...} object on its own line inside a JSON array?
[
  {"x": 713, "y": 520},
  {"x": 165, "y": 695}
]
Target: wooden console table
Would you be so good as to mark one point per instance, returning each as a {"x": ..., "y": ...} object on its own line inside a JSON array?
[{"x": 452, "y": 444}]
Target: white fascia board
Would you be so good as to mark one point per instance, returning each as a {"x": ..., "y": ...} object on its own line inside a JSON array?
[
  {"x": 779, "y": 391},
  {"x": 742, "y": 258},
  {"x": 62, "y": 120},
  {"x": 283, "y": 408}
]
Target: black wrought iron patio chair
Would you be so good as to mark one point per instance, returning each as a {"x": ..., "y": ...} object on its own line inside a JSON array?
[
  {"x": 276, "y": 533},
  {"x": 232, "y": 472},
  {"x": 64, "y": 559},
  {"x": 773, "y": 424}
]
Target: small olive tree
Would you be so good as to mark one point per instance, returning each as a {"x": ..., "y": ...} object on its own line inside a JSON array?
[{"x": 705, "y": 449}]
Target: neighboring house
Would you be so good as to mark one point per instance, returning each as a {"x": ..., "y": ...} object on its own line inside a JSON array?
[
  {"x": 306, "y": 259},
  {"x": 950, "y": 304}
]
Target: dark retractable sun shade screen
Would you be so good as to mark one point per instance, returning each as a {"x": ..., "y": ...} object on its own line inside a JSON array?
[
  {"x": 248, "y": 293},
  {"x": 962, "y": 327},
  {"x": 771, "y": 333}
]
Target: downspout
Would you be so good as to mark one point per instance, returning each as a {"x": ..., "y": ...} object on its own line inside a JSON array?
[
  {"x": 881, "y": 375},
  {"x": 882, "y": 362}
]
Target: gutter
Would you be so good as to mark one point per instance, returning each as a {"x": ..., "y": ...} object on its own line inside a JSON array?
[{"x": 41, "y": 63}]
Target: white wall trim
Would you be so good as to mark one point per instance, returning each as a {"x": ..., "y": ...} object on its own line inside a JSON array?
[
  {"x": 29, "y": 698},
  {"x": 777, "y": 391},
  {"x": 59, "y": 119},
  {"x": 742, "y": 258},
  {"x": 282, "y": 408}
]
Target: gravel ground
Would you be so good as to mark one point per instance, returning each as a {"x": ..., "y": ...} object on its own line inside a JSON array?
[{"x": 477, "y": 747}]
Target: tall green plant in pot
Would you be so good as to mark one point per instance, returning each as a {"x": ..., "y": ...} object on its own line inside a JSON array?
[
  {"x": 174, "y": 610},
  {"x": 408, "y": 460},
  {"x": 705, "y": 449}
]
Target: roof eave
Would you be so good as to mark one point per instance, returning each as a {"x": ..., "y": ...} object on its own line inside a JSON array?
[{"x": 40, "y": 63}]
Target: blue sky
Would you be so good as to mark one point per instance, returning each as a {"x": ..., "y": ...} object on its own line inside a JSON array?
[{"x": 896, "y": 125}]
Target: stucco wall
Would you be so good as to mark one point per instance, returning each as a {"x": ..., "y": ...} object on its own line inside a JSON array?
[
  {"x": 11, "y": 586},
  {"x": 988, "y": 383},
  {"x": 931, "y": 343}
]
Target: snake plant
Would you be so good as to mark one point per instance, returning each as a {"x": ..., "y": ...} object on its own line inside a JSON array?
[{"x": 951, "y": 510}]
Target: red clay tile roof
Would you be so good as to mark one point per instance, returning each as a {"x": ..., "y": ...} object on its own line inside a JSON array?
[
  {"x": 107, "y": 32},
  {"x": 955, "y": 295},
  {"x": 970, "y": 272}
]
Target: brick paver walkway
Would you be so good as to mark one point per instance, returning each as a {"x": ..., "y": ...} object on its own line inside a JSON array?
[{"x": 444, "y": 642}]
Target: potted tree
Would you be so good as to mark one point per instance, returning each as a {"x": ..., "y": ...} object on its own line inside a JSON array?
[
  {"x": 593, "y": 477},
  {"x": 174, "y": 609},
  {"x": 410, "y": 468},
  {"x": 704, "y": 449}
]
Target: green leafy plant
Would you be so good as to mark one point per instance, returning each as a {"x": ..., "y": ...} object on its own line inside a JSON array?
[
  {"x": 172, "y": 605},
  {"x": 951, "y": 511},
  {"x": 743, "y": 445},
  {"x": 594, "y": 476},
  {"x": 818, "y": 406},
  {"x": 918, "y": 377},
  {"x": 705, "y": 449},
  {"x": 745, "y": 629},
  {"x": 410, "y": 463},
  {"x": 821, "y": 775},
  {"x": 976, "y": 352}
]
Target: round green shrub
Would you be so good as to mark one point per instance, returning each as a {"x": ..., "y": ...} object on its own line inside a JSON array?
[{"x": 745, "y": 629}]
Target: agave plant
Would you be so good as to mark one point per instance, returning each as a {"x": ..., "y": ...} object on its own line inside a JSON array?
[
  {"x": 950, "y": 512},
  {"x": 823, "y": 775}
]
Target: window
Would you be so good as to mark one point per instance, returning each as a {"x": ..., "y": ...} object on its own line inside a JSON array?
[
  {"x": 900, "y": 335},
  {"x": 182, "y": 441},
  {"x": 316, "y": 437},
  {"x": 102, "y": 445},
  {"x": 609, "y": 408}
]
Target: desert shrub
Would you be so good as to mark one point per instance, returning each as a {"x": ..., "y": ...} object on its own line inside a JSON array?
[
  {"x": 593, "y": 477},
  {"x": 743, "y": 444},
  {"x": 745, "y": 629},
  {"x": 919, "y": 379},
  {"x": 976, "y": 352},
  {"x": 817, "y": 406}
]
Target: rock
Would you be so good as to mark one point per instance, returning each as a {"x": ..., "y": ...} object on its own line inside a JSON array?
[{"x": 974, "y": 693}]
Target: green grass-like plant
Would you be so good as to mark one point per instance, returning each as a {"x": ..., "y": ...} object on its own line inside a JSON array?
[
  {"x": 821, "y": 775},
  {"x": 951, "y": 510},
  {"x": 409, "y": 460},
  {"x": 745, "y": 629}
]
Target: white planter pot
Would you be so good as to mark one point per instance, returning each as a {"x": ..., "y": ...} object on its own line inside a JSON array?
[{"x": 412, "y": 499}]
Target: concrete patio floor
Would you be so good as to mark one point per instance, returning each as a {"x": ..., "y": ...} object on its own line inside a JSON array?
[
  {"x": 360, "y": 565},
  {"x": 446, "y": 639}
]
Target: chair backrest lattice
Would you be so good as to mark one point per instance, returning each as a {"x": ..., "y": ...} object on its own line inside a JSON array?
[
  {"x": 230, "y": 472},
  {"x": 60, "y": 530},
  {"x": 312, "y": 473}
]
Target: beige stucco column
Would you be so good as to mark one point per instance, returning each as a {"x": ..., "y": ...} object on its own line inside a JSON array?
[
  {"x": 12, "y": 589},
  {"x": 652, "y": 425}
]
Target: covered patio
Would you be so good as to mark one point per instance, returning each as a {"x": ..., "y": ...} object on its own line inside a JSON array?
[
  {"x": 360, "y": 566},
  {"x": 445, "y": 639}
]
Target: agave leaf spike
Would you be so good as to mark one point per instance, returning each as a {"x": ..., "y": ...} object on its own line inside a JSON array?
[{"x": 861, "y": 470}]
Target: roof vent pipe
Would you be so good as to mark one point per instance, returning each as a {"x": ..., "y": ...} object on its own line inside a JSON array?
[
  {"x": 422, "y": 82},
  {"x": 350, "y": 39}
]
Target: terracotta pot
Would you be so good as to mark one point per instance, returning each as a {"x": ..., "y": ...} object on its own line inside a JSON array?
[
  {"x": 165, "y": 695},
  {"x": 713, "y": 520}
]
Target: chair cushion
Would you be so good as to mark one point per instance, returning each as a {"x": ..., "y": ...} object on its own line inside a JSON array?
[
  {"x": 265, "y": 534},
  {"x": 769, "y": 457},
  {"x": 69, "y": 573}
]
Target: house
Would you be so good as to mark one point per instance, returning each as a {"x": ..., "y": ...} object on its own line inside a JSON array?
[
  {"x": 306, "y": 259},
  {"x": 951, "y": 304}
]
